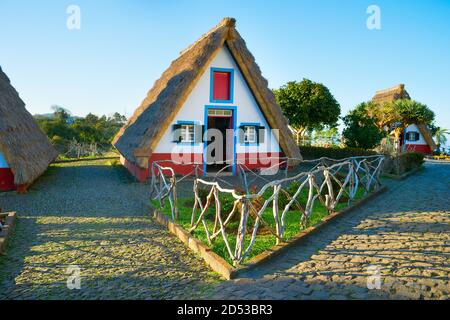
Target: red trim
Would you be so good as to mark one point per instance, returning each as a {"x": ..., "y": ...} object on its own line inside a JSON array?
[
  {"x": 248, "y": 159},
  {"x": 142, "y": 175},
  {"x": 259, "y": 160},
  {"x": 6, "y": 180},
  {"x": 420, "y": 148}
]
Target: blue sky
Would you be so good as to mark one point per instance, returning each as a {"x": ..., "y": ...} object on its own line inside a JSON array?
[{"x": 124, "y": 46}]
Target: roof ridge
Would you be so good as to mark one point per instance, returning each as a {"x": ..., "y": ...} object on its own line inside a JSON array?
[
  {"x": 400, "y": 86},
  {"x": 225, "y": 22}
]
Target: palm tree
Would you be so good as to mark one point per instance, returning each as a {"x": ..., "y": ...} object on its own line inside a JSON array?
[{"x": 440, "y": 137}]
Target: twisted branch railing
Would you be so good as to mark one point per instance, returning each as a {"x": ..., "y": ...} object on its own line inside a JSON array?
[{"x": 326, "y": 181}]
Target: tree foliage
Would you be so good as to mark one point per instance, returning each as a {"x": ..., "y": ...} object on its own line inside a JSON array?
[
  {"x": 61, "y": 127},
  {"x": 440, "y": 136},
  {"x": 308, "y": 105},
  {"x": 361, "y": 130}
]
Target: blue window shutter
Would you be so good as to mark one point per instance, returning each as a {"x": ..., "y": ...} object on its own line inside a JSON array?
[{"x": 261, "y": 134}]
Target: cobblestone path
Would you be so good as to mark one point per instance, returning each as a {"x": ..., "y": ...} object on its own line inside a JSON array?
[
  {"x": 92, "y": 215},
  {"x": 403, "y": 236}
]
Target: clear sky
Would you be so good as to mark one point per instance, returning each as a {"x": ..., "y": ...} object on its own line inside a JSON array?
[{"x": 124, "y": 46}]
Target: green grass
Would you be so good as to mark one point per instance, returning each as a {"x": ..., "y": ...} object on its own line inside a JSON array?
[{"x": 264, "y": 240}]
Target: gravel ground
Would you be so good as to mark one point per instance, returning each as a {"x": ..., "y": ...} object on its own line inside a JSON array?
[{"x": 93, "y": 215}]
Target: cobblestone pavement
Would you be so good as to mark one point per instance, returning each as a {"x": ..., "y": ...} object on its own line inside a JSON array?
[
  {"x": 404, "y": 235},
  {"x": 93, "y": 215}
]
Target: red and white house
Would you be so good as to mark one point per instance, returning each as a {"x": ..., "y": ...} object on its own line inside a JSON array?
[
  {"x": 417, "y": 138},
  {"x": 25, "y": 151},
  {"x": 211, "y": 107}
]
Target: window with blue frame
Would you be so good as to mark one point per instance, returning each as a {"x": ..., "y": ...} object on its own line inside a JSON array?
[
  {"x": 412, "y": 136},
  {"x": 187, "y": 132},
  {"x": 222, "y": 84},
  {"x": 251, "y": 134}
]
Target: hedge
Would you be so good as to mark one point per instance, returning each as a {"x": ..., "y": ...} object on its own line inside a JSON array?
[{"x": 310, "y": 153}]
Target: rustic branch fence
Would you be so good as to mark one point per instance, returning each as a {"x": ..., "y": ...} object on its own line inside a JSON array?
[{"x": 326, "y": 180}]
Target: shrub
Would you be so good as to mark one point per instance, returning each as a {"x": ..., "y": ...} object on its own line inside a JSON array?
[
  {"x": 411, "y": 160},
  {"x": 310, "y": 153},
  {"x": 404, "y": 163}
]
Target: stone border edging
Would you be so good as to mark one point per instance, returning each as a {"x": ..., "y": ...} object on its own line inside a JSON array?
[
  {"x": 403, "y": 176},
  {"x": 6, "y": 232},
  {"x": 219, "y": 265}
]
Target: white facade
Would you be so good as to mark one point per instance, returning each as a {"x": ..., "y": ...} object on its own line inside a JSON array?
[
  {"x": 414, "y": 128},
  {"x": 3, "y": 163},
  {"x": 194, "y": 110}
]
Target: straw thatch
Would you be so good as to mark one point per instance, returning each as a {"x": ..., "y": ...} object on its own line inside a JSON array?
[
  {"x": 25, "y": 147},
  {"x": 139, "y": 137},
  {"x": 399, "y": 92},
  {"x": 391, "y": 94}
]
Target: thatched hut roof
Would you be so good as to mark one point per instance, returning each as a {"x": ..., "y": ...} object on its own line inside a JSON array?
[
  {"x": 391, "y": 94},
  {"x": 25, "y": 147},
  {"x": 399, "y": 92},
  {"x": 139, "y": 137}
]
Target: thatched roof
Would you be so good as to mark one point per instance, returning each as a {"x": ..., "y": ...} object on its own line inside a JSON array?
[
  {"x": 399, "y": 92},
  {"x": 391, "y": 94},
  {"x": 426, "y": 133},
  {"x": 139, "y": 137},
  {"x": 25, "y": 147}
]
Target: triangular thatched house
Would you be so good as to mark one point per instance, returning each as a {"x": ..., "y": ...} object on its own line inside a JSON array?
[
  {"x": 25, "y": 151},
  {"x": 214, "y": 84},
  {"x": 416, "y": 137}
]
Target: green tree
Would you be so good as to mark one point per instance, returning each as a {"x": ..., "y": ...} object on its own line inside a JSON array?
[
  {"x": 440, "y": 136},
  {"x": 308, "y": 105},
  {"x": 397, "y": 115},
  {"x": 61, "y": 114},
  {"x": 361, "y": 130}
]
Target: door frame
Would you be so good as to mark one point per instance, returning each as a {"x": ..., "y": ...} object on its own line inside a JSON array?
[{"x": 233, "y": 122}]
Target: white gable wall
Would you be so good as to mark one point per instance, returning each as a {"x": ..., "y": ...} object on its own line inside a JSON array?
[
  {"x": 413, "y": 128},
  {"x": 194, "y": 110}
]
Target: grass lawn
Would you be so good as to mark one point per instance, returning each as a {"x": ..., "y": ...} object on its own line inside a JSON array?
[{"x": 264, "y": 240}]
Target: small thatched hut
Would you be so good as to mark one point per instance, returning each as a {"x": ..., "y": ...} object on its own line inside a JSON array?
[
  {"x": 214, "y": 84},
  {"x": 417, "y": 136},
  {"x": 25, "y": 151}
]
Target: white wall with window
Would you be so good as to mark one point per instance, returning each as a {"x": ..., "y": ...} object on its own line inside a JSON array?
[
  {"x": 193, "y": 111},
  {"x": 412, "y": 132}
]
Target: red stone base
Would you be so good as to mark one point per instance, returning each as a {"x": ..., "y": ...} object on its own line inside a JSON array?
[
  {"x": 184, "y": 163},
  {"x": 6, "y": 180},
  {"x": 420, "y": 148}
]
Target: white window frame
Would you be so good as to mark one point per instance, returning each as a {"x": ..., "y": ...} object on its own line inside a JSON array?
[
  {"x": 250, "y": 134},
  {"x": 187, "y": 133},
  {"x": 411, "y": 136}
]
